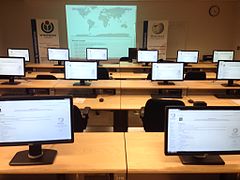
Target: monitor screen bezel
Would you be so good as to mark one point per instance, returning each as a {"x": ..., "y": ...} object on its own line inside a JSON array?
[
  {"x": 218, "y": 70},
  {"x": 195, "y": 62},
  {"x": 58, "y": 59},
  {"x": 167, "y": 79},
  {"x": 222, "y": 51},
  {"x": 147, "y": 60},
  {"x": 22, "y": 98},
  {"x": 106, "y": 49},
  {"x": 79, "y": 78},
  {"x": 20, "y": 49},
  {"x": 195, "y": 108},
  {"x": 24, "y": 69}
]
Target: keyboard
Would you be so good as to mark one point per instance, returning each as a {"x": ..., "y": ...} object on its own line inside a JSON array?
[{"x": 156, "y": 96}]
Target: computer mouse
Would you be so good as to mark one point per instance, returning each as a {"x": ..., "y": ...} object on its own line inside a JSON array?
[
  {"x": 190, "y": 101},
  {"x": 101, "y": 99}
]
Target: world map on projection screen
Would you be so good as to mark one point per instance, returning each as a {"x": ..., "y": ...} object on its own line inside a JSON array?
[{"x": 112, "y": 27}]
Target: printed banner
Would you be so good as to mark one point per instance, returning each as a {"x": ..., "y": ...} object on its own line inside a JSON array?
[
  {"x": 155, "y": 36},
  {"x": 44, "y": 34}
]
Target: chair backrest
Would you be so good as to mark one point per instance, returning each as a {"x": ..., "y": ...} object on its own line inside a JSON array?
[
  {"x": 149, "y": 76},
  {"x": 195, "y": 75},
  {"x": 124, "y": 59},
  {"x": 79, "y": 123},
  {"x": 103, "y": 73},
  {"x": 45, "y": 76},
  {"x": 154, "y": 114}
]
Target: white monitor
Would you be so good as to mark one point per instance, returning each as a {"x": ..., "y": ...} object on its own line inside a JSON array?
[
  {"x": 58, "y": 54},
  {"x": 34, "y": 121},
  {"x": 228, "y": 70},
  {"x": 14, "y": 52},
  {"x": 202, "y": 130},
  {"x": 187, "y": 56},
  {"x": 81, "y": 70},
  {"x": 97, "y": 54},
  {"x": 147, "y": 56},
  {"x": 223, "y": 55},
  {"x": 167, "y": 72},
  {"x": 12, "y": 67}
]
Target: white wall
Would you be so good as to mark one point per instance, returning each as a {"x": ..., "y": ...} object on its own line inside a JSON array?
[{"x": 190, "y": 26}]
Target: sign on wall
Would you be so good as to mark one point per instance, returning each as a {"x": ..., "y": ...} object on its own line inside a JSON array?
[
  {"x": 44, "y": 34},
  {"x": 155, "y": 36}
]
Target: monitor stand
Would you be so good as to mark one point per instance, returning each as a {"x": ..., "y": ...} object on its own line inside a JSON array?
[
  {"x": 11, "y": 82},
  {"x": 34, "y": 156},
  {"x": 166, "y": 83},
  {"x": 230, "y": 84},
  {"x": 202, "y": 160},
  {"x": 82, "y": 83}
]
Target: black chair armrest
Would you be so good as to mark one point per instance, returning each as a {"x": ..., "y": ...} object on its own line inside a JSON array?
[
  {"x": 85, "y": 112},
  {"x": 141, "y": 112}
]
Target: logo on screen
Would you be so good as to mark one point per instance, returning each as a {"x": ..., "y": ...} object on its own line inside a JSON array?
[{"x": 47, "y": 27}]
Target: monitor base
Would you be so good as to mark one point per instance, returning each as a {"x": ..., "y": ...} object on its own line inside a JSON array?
[
  {"x": 82, "y": 83},
  {"x": 10, "y": 83},
  {"x": 204, "y": 160},
  {"x": 230, "y": 85},
  {"x": 22, "y": 158}
]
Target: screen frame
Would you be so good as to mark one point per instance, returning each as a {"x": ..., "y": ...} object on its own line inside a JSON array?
[
  {"x": 223, "y": 51},
  {"x": 195, "y": 108},
  {"x": 96, "y": 49},
  {"x": 167, "y": 79},
  {"x": 147, "y": 60},
  {"x": 188, "y": 51},
  {"x": 58, "y": 49},
  {"x": 19, "y": 98},
  {"x": 83, "y": 62},
  {"x": 20, "y": 49},
  {"x": 218, "y": 70},
  {"x": 24, "y": 68}
]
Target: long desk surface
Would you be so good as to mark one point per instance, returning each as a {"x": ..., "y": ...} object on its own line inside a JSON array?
[{"x": 145, "y": 154}]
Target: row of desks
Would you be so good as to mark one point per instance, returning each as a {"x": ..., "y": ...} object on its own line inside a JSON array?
[{"x": 118, "y": 153}]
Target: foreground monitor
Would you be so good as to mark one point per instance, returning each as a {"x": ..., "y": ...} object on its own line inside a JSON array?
[
  {"x": 167, "y": 72},
  {"x": 187, "y": 56},
  {"x": 147, "y": 56},
  {"x": 200, "y": 134},
  {"x": 230, "y": 71},
  {"x": 97, "y": 54},
  {"x": 81, "y": 70},
  {"x": 12, "y": 67},
  {"x": 58, "y": 54},
  {"x": 34, "y": 121},
  {"x": 223, "y": 55},
  {"x": 19, "y": 52}
]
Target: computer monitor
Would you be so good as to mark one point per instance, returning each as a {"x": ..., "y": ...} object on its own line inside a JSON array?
[
  {"x": 33, "y": 121},
  {"x": 81, "y": 70},
  {"x": 187, "y": 56},
  {"x": 228, "y": 70},
  {"x": 12, "y": 67},
  {"x": 132, "y": 53},
  {"x": 19, "y": 52},
  {"x": 97, "y": 54},
  {"x": 223, "y": 55},
  {"x": 167, "y": 72},
  {"x": 58, "y": 54},
  {"x": 147, "y": 56},
  {"x": 199, "y": 134}
]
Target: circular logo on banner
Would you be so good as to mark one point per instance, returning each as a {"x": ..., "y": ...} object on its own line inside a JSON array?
[
  {"x": 158, "y": 28},
  {"x": 47, "y": 27}
]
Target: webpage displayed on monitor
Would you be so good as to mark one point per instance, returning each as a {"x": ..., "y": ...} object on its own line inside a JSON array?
[
  {"x": 187, "y": 56},
  {"x": 98, "y": 54},
  {"x": 13, "y": 52},
  {"x": 147, "y": 56},
  {"x": 202, "y": 130},
  {"x": 58, "y": 54},
  {"x": 223, "y": 55}
]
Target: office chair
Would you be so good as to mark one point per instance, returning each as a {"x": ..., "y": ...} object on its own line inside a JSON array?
[
  {"x": 195, "y": 75},
  {"x": 103, "y": 73},
  {"x": 80, "y": 119},
  {"x": 153, "y": 114},
  {"x": 45, "y": 76},
  {"x": 41, "y": 91},
  {"x": 149, "y": 76},
  {"x": 125, "y": 59}
]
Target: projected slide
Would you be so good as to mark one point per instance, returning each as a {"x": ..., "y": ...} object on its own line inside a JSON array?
[{"x": 92, "y": 26}]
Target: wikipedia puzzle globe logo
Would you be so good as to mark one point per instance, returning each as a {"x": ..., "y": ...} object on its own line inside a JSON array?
[
  {"x": 47, "y": 27},
  {"x": 157, "y": 28}
]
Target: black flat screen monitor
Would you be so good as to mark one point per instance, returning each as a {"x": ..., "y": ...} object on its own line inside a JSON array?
[
  {"x": 12, "y": 67},
  {"x": 19, "y": 52},
  {"x": 187, "y": 56},
  {"x": 34, "y": 121},
  {"x": 147, "y": 56},
  {"x": 81, "y": 70},
  {"x": 167, "y": 72},
  {"x": 228, "y": 70},
  {"x": 199, "y": 134},
  {"x": 223, "y": 55},
  {"x": 58, "y": 54},
  {"x": 97, "y": 54}
]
